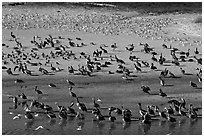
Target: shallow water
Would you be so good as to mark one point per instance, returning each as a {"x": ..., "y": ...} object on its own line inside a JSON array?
[
  {"x": 116, "y": 94},
  {"x": 183, "y": 126}
]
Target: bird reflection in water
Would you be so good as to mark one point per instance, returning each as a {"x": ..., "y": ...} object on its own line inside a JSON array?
[
  {"x": 146, "y": 128},
  {"x": 70, "y": 118},
  {"x": 193, "y": 122},
  {"x": 111, "y": 128},
  {"x": 126, "y": 125},
  {"x": 62, "y": 123},
  {"x": 182, "y": 122},
  {"x": 80, "y": 125},
  {"x": 172, "y": 127},
  {"x": 162, "y": 123},
  {"x": 29, "y": 124},
  {"x": 15, "y": 106},
  {"x": 52, "y": 122}
]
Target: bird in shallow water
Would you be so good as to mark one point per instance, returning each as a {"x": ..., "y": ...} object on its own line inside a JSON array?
[
  {"x": 81, "y": 106},
  {"x": 171, "y": 119},
  {"x": 28, "y": 115}
]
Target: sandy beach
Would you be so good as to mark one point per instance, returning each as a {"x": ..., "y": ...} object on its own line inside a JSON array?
[{"x": 77, "y": 31}]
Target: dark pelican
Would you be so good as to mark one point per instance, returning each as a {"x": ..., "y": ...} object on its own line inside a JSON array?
[{"x": 81, "y": 106}]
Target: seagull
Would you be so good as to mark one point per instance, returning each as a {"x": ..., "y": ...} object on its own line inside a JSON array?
[
  {"x": 17, "y": 117},
  {"x": 40, "y": 127}
]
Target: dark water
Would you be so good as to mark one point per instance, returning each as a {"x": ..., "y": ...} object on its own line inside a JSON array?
[
  {"x": 142, "y": 7},
  {"x": 183, "y": 126}
]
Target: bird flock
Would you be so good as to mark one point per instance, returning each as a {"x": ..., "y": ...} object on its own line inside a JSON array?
[{"x": 22, "y": 61}]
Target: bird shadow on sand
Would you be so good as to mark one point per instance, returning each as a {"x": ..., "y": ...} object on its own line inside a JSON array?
[
  {"x": 198, "y": 88},
  {"x": 153, "y": 94},
  {"x": 166, "y": 65},
  {"x": 188, "y": 74},
  {"x": 173, "y": 77},
  {"x": 34, "y": 75},
  {"x": 15, "y": 74},
  {"x": 168, "y": 85}
]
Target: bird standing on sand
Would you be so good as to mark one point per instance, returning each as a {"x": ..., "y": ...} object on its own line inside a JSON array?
[
  {"x": 137, "y": 68},
  {"x": 145, "y": 89},
  {"x": 162, "y": 83},
  {"x": 19, "y": 81},
  {"x": 23, "y": 96},
  {"x": 37, "y": 90},
  {"x": 162, "y": 94},
  {"x": 72, "y": 93},
  {"x": 96, "y": 105},
  {"x": 13, "y": 36},
  {"x": 70, "y": 82},
  {"x": 194, "y": 85},
  {"x": 51, "y": 85},
  {"x": 113, "y": 46},
  {"x": 199, "y": 78},
  {"x": 153, "y": 67},
  {"x": 196, "y": 51},
  {"x": 9, "y": 71},
  {"x": 182, "y": 71}
]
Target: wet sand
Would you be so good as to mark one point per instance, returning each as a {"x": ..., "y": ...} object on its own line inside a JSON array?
[{"x": 110, "y": 88}]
